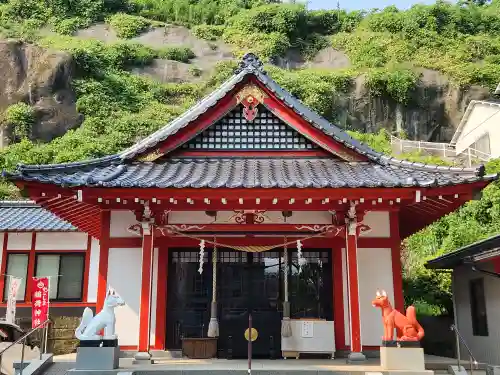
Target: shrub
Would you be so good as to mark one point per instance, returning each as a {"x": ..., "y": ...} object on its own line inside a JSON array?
[
  {"x": 264, "y": 45},
  {"x": 195, "y": 71},
  {"x": 68, "y": 26},
  {"x": 397, "y": 83},
  {"x": 182, "y": 54},
  {"x": 21, "y": 117},
  {"x": 92, "y": 56},
  {"x": 128, "y": 26},
  {"x": 208, "y": 32}
]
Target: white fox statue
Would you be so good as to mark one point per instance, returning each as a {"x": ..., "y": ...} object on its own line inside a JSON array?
[{"x": 90, "y": 325}]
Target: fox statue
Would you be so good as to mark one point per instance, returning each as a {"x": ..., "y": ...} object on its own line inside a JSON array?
[
  {"x": 407, "y": 326},
  {"x": 90, "y": 325}
]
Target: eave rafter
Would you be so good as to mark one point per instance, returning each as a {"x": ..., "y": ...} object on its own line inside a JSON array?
[{"x": 84, "y": 216}]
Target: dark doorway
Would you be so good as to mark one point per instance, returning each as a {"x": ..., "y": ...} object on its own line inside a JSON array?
[{"x": 245, "y": 281}]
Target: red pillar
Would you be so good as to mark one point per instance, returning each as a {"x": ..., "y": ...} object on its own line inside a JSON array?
[
  {"x": 102, "y": 281},
  {"x": 145, "y": 307},
  {"x": 352, "y": 273}
]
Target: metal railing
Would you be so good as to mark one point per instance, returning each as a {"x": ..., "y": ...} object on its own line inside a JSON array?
[
  {"x": 472, "y": 359},
  {"x": 43, "y": 343},
  {"x": 444, "y": 150}
]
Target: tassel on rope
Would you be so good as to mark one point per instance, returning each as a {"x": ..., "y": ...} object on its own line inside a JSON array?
[
  {"x": 286, "y": 325},
  {"x": 213, "y": 325},
  {"x": 202, "y": 255}
]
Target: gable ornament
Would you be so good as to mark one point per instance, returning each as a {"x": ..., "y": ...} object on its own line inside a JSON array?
[{"x": 250, "y": 97}]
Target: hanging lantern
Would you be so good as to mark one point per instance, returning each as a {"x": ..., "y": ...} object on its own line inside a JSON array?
[
  {"x": 301, "y": 260},
  {"x": 202, "y": 255}
]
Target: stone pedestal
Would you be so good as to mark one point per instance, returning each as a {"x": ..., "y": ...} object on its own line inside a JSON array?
[
  {"x": 407, "y": 359},
  {"x": 97, "y": 358}
]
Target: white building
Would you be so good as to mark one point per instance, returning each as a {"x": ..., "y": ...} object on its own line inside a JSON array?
[
  {"x": 479, "y": 130},
  {"x": 476, "y": 296}
]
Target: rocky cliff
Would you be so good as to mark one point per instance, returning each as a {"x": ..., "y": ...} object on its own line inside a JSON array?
[
  {"x": 432, "y": 113},
  {"x": 42, "y": 78}
]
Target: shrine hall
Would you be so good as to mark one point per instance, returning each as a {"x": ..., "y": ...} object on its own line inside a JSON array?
[{"x": 248, "y": 203}]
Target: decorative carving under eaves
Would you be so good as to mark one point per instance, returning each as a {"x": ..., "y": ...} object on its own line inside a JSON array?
[
  {"x": 334, "y": 229},
  {"x": 353, "y": 220},
  {"x": 249, "y": 217},
  {"x": 250, "y": 97},
  {"x": 174, "y": 229}
]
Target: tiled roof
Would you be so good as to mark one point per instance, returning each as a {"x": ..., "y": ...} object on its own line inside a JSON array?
[
  {"x": 250, "y": 65},
  {"x": 21, "y": 216},
  {"x": 246, "y": 172},
  {"x": 486, "y": 247}
]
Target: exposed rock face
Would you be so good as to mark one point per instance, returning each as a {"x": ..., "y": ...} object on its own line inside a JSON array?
[
  {"x": 42, "y": 79},
  {"x": 433, "y": 112},
  {"x": 208, "y": 54}
]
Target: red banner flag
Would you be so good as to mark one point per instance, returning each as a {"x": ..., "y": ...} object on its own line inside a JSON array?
[{"x": 39, "y": 301}]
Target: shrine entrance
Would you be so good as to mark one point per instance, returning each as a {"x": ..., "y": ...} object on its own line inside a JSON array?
[{"x": 245, "y": 281}]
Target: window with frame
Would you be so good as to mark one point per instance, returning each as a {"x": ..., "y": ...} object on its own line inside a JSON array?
[
  {"x": 478, "y": 307},
  {"x": 66, "y": 275},
  {"x": 17, "y": 266},
  {"x": 65, "y": 272}
]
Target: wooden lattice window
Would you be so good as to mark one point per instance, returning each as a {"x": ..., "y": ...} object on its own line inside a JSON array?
[{"x": 266, "y": 132}]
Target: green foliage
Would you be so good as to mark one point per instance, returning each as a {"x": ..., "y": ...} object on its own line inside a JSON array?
[
  {"x": 263, "y": 45},
  {"x": 128, "y": 26},
  {"x": 461, "y": 41},
  {"x": 68, "y": 26},
  {"x": 93, "y": 57},
  {"x": 396, "y": 83},
  {"x": 379, "y": 141},
  {"x": 20, "y": 117},
  {"x": 182, "y": 54},
  {"x": 208, "y": 32},
  {"x": 187, "y": 12},
  {"x": 475, "y": 221},
  {"x": 195, "y": 71}
]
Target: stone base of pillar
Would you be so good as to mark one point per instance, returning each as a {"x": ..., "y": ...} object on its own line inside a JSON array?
[
  {"x": 142, "y": 358},
  {"x": 356, "y": 357}
]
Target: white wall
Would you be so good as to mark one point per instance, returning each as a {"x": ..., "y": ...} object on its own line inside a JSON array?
[
  {"x": 61, "y": 241},
  {"x": 374, "y": 273},
  {"x": 120, "y": 222},
  {"x": 483, "y": 118},
  {"x": 379, "y": 222},
  {"x": 124, "y": 275},
  {"x": 19, "y": 241},
  {"x": 484, "y": 348},
  {"x": 93, "y": 271}
]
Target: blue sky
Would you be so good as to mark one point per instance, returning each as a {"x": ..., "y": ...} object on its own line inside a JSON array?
[{"x": 364, "y": 4}]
